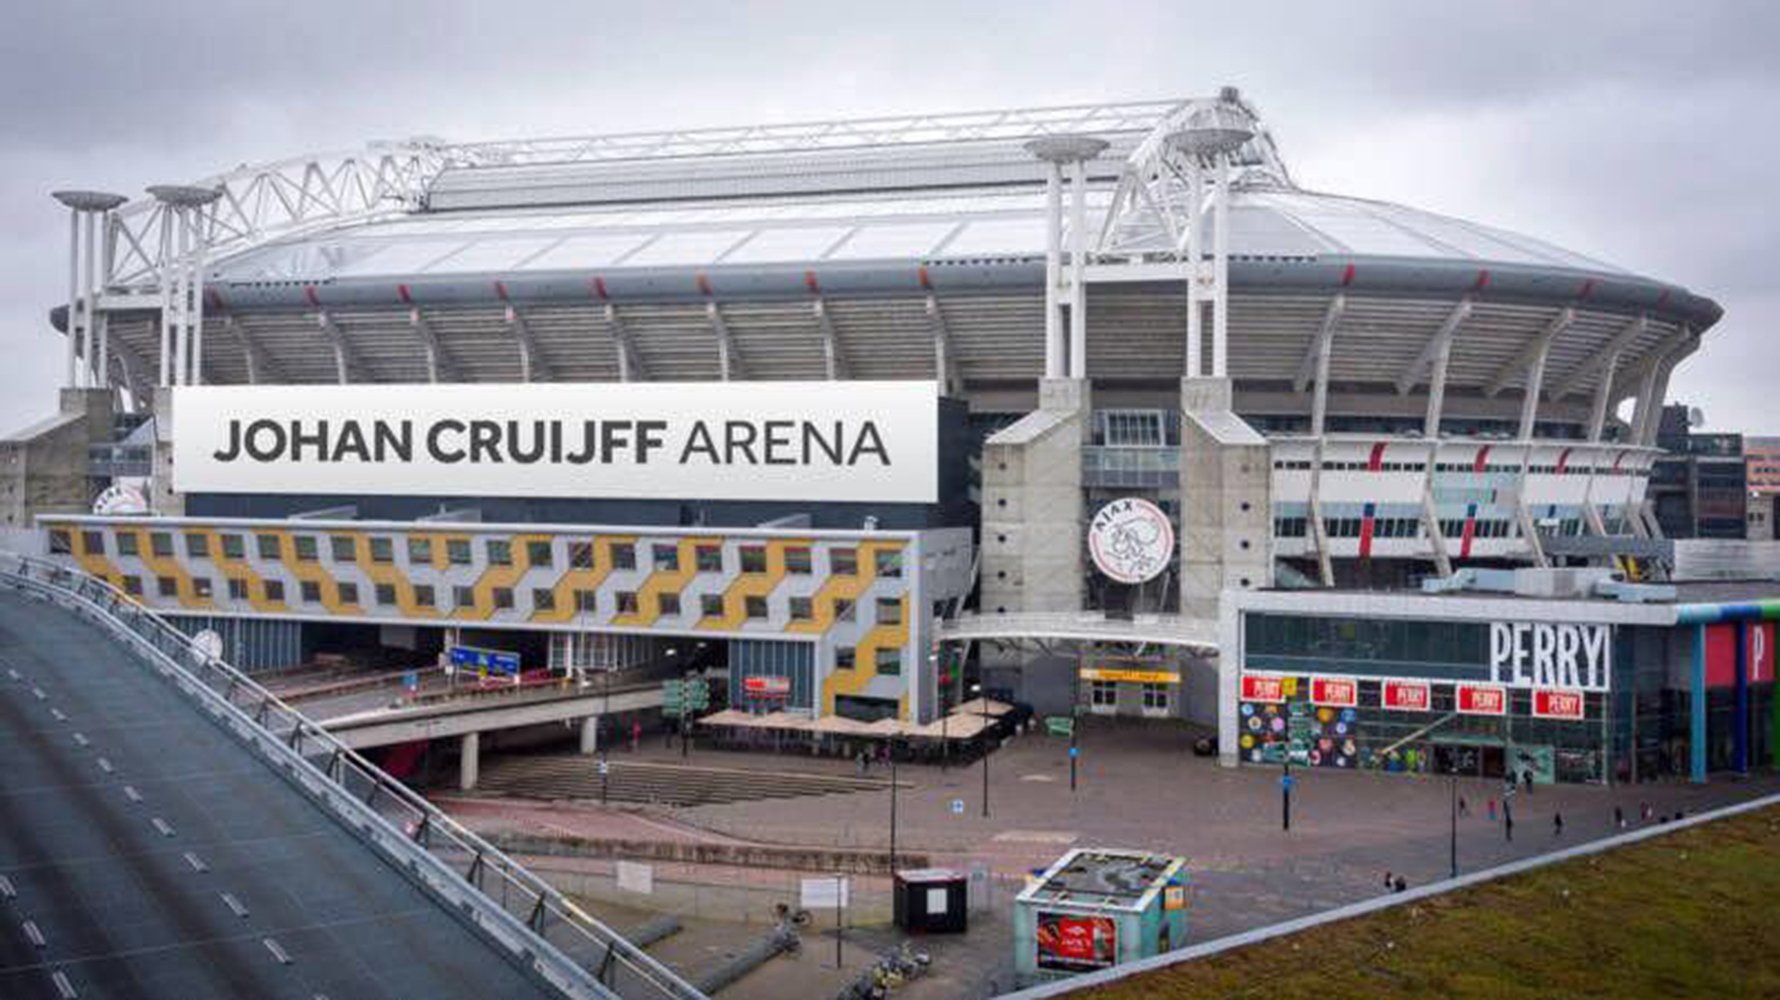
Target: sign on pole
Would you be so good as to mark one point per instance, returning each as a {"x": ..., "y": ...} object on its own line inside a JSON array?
[{"x": 825, "y": 892}]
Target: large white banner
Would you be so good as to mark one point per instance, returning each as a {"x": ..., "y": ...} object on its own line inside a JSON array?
[{"x": 815, "y": 441}]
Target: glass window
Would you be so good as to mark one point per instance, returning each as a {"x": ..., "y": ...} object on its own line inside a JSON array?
[
  {"x": 503, "y": 598},
  {"x": 311, "y": 592},
  {"x": 801, "y": 610},
  {"x": 197, "y": 546},
  {"x": 843, "y": 609},
  {"x": 667, "y": 605},
  {"x": 711, "y": 605},
  {"x": 580, "y": 555},
  {"x": 133, "y": 586},
  {"x": 61, "y": 544},
  {"x": 797, "y": 560},
  {"x": 420, "y": 550},
  {"x": 538, "y": 554},
  {"x": 627, "y": 602},
  {"x": 348, "y": 593},
  {"x": 543, "y": 599},
  {"x": 201, "y": 586},
  {"x": 889, "y": 611},
  {"x": 268, "y": 546},
  {"x": 755, "y": 606},
  {"x": 382, "y": 549},
  {"x": 667, "y": 557},
  {"x": 843, "y": 562},
  {"x": 166, "y": 586},
  {"x": 385, "y": 593},
  {"x": 587, "y": 601},
  {"x": 343, "y": 548},
  {"x": 159, "y": 542},
  {"x": 237, "y": 589},
  {"x": 126, "y": 543},
  {"x": 424, "y": 595},
  {"x": 1155, "y": 696},
  {"x": 275, "y": 591},
  {"x": 843, "y": 657},
  {"x": 93, "y": 542},
  {"x": 753, "y": 558},
  {"x": 888, "y": 563},
  {"x": 624, "y": 555},
  {"x": 463, "y": 597},
  {"x": 234, "y": 546},
  {"x": 710, "y": 558},
  {"x": 500, "y": 552},
  {"x": 1103, "y": 694},
  {"x": 457, "y": 551},
  {"x": 890, "y": 662}
]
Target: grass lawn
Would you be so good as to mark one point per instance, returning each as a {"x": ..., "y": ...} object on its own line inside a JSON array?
[{"x": 1691, "y": 914}]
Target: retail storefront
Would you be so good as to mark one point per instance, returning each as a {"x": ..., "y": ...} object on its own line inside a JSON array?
[{"x": 1576, "y": 689}]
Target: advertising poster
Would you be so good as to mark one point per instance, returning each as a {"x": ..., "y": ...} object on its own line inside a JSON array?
[{"x": 1070, "y": 943}]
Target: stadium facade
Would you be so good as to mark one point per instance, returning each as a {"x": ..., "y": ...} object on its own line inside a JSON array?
[{"x": 1131, "y": 304}]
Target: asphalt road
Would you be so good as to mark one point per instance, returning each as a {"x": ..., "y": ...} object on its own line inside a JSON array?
[{"x": 146, "y": 855}]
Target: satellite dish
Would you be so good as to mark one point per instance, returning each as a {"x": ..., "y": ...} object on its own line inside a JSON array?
[
  {"x": 120, "y": 499},
  {"x": 1696, "y": 417},
  {"x": 208, "y": 643}
]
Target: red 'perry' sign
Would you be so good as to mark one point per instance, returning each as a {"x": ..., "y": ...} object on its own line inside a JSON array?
[
  {"x": 1259, "y": 687},
  {"x": 1408, "y": 696},
  {"x": 1557, "y": 704},
  {"x": 1483, "y": 699},
  {"x": 1337, "y": 691}
]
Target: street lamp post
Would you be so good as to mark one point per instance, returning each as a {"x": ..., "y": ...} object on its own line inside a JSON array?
[
  {"x": 893, "y": 808},
  {"x": 983, "y": 714},
  {"x": 1454, "y": 840}
]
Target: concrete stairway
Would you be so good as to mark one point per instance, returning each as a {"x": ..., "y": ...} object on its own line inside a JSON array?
[{"x": 574, "y": 776}]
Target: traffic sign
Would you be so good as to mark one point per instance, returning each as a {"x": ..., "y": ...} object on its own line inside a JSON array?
[
  {"x": 1075, "y": 751},
  {"x": 1287, "y": 782},
  {"x": 957, "y": 807}
]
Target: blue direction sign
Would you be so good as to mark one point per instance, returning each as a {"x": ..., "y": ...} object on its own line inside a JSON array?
[
  {"x": 1286, "y": 781},
  {"x": 485, "y": 661}
]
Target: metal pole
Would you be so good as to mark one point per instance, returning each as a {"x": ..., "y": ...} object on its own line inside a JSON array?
[
  {"x": 1078, "y": 271},
  {"x": 984, "y": 715},
  {"x": 1053, "y": 269},
  {"x": 1075, "y": 726},
  {"x": 1455, "y": 825},
  {"x": 73, "y": 290},
  {"x": 1285, "y": 792},
  {"x": 89, "y": 324},
  {"x": 195, "y": 286},
  {"x": 107, "y": 238},
  {"x": 1220, "y": 263},
  {"x": 1195, "y": 227},
  {"x": 840, "y": 900},
  {"x": 893, "y": 808},
  {"x": 165, "y": 280}
]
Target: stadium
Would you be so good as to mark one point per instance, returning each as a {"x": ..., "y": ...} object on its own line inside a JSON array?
[{"x": 1141, "y": 369}]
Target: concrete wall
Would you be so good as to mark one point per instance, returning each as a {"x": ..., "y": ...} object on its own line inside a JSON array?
[{"x": 44, "y": 469}]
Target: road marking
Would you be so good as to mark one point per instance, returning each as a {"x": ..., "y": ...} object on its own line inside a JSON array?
[
  {"x": 233, "y": 904},
  {"x": 6, "y": 889},
  {"x": 32, "y": 934},
  {"x": 80, "y": 739},
  {"x": 63, "y": 986},
  {"x": 105, "y": 764},
  {"x": 1035, "y": 837},
  {"x": 278, "y": 953},
  {"x": 58, "y": 715},
  {"x": 196, "y": 862},
  {"x": 132, "y": 794},
  {"x": 37, "y": 693},
  {"x": 14, "y": 674},
  {"x": 161, "y": 825}
]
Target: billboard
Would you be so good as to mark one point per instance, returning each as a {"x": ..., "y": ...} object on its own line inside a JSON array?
[
  {"x": 1070, "y": 943},
  {"x": 817, "y": 441},
  {"x": 1481, "y": 699},
  {"x": 1407, "y": 696}
]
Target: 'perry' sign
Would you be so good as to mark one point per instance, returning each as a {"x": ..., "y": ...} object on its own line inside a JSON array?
[
  {"x": 1534, "y": 654},
  {"x": 821, "y": 441}
]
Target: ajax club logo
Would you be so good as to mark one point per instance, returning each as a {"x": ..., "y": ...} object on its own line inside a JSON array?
[{"x": 1131, "y": 540}]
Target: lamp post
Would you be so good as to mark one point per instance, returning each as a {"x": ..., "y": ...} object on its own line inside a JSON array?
[
  {"x": 945, "y": 746},
  {"x": 893, "y": 807},
  {"x": 1453, "y": 844},
  {"x": 983, "y": 714}
]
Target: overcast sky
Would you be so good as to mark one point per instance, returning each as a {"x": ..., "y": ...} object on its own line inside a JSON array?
[{"x": 1643, "y": 134}]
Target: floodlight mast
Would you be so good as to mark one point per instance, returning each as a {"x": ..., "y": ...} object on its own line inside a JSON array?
[
  {"x": 184, "y": 234},
  {"x": 89, "y": 212},
  {"x": 1074, "y": 152}
]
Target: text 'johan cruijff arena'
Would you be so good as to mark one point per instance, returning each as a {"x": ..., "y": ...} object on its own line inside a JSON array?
[{"x": 1122, "y": 302}]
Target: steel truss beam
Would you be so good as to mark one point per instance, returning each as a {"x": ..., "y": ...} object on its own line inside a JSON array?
[
  {"x": 532, "y": 366},
  {"x": 834, "y": 357},
  {"x": 1606, "y": 357}
]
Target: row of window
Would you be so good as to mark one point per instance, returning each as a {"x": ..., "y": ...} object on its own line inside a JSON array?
[
  {"x": 624, "y": 602},
  {"x": 1481, "y": 528},
  {"x": 1454, "y": 468},
  {"x": 887, "y": 661},
  {"x": 1105, "y": 694},
  {"x": 1388, "y": 527},
  {"x": 538, "y": 554}
]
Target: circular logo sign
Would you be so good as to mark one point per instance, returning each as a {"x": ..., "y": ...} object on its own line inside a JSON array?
[
  {"x": 120, "y": 499},
  {"x": 1131, "y": 540}
]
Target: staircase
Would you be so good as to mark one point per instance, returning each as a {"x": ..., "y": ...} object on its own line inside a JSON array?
[{"x": 575, "y": 776}]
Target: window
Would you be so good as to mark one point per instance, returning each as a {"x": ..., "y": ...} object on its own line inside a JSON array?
[
  {"x": 890, "y": 662},
  {"x": 60, "y": 544},
  {"x": 843, "y": 657},
  {"x": 234, "y": 546},
  {"x": 457, "y": 551},
  {"x": 753, "y": 558},
  {"x": 160, "y": 543},
  {"x": 126, "y": 543},
  {"x": 166, "y": 586},
  {"x": 709, "y": 558},
  {"x": 667, "y": 557},
  {"x": 1103, "y": 694},
  {"x": 420, "y": 551},
  {"x": 344, "y": 548},
  {"x": 889, "y": 611},
  {"x": 624, "y": 555},
  {"x": 667, "y": 605},
  {"x": 311, "y": 592},
  {"x": 503, "y": 598},
  {"x": 424, "y": 595},
  {"x": 543, "y": 599},
  {"x": 843, "y": 562},
  {"x": 797, "y": 560},
  {"x": 382, "y": 550},
  {"x": 1290, "y": 527},
  {"x": 237, "y": 589},
  {"x": 888, "y": 563},
  {"x": 843, "y": 609},
  {"x": 580, "y": 555},
  {"x": 385, "y": 594},
  {"x": 202, "y": 587},
  {"x": 275, "y": 591},
  {"x": 463, "y": 597},
  {"x": 755, "y": 606},
  {"x": 801, "y": 611},
  {"x": 500, "y": 552},
  {"x": 268, "y": 546},
  {"x": 539, "y": 554},
  {"x": 197, "y": 546},
  {"x": 587, "y": 601},
  {"x": 1155, "y": 697},
  {"x": 133, "y": 586},
  {"x": 348, "y": 593},
  {"x": 711, "y": 605},
  {"x": 627, "y": 602},
  {"x": 93, "y": 542}
]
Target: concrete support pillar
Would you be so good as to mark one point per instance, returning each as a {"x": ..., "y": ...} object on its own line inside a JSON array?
[
  {"x": 1226, "y": 499},
  {"x": 590, "y": 735},
  {"x": 469, "y": 763}
]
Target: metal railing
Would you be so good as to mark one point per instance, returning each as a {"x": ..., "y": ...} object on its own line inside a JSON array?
[{"x": 516, "y": 911}]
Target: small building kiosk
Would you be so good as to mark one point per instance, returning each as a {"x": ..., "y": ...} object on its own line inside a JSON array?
[{"x": 1098, "y": 908}]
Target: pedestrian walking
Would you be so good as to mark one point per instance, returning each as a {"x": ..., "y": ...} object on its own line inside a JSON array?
[
  {"x": 1390, "y": 882},
  {"x": 1618, "y": 818},
  {"x": 864, "y": 763},
  {"x": 1644, "y": 812},
  {"x": 1401, "y": 884},
  {"x": 1527, "y": 777},
  {"x": 1492, "y": 810},
  {"x": 1464, "y": 807},
  {"x": 1508, "y": 822},
  {"x": 1557, "y": 824}
]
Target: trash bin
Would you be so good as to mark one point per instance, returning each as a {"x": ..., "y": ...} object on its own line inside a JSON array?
[{"x": 931, "y": 901}]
